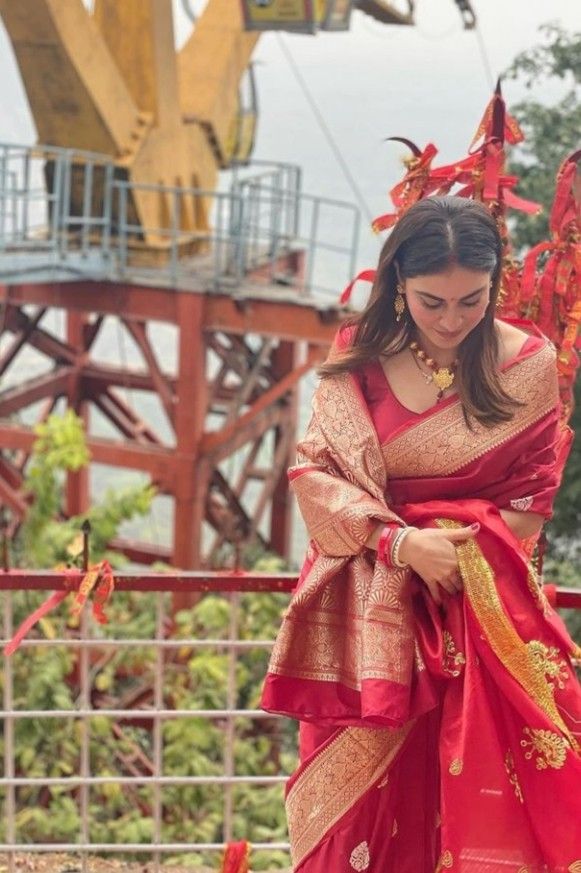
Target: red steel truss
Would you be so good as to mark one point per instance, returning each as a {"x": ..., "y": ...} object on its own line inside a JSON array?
[{"x": 261, "y": 347}]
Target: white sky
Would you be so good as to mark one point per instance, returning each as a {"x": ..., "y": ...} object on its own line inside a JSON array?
[{"x": 426, "y": 83}]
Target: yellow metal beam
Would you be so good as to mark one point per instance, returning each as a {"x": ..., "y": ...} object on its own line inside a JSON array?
[
  {"x": 77, "y": 94},
  {"x": 112, "y": 83},
  {"x": 139, "y": 35},
  {"x": 210, "y": 66}
]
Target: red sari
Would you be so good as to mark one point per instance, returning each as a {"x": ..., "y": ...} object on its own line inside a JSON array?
[{"x": 431, "y": 738}]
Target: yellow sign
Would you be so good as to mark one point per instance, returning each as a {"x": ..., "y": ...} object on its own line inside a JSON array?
[
  {"x": 306, "y": 16},
  {"x": 282, "y": 14}
]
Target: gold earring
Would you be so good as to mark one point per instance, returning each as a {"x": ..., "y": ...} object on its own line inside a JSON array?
[{"x": 399, "y": 304}]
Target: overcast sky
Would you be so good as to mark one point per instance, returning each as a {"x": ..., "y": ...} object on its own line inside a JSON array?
[{"x": 428, "y": 82}]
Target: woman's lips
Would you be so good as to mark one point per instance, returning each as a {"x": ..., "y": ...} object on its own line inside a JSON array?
[{"x": 449, "y": 336}]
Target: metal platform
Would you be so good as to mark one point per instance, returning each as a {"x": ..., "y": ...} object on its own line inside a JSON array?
[{"x": 67, "y": 215}]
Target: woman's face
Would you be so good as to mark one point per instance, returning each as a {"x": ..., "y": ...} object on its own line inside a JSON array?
[{"x": 447, "y": 306}]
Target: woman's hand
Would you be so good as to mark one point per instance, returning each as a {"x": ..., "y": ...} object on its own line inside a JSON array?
[{"x": 431, "y": 553}]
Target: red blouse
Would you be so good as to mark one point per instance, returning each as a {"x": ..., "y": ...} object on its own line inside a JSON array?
[{"x": 387, "y": 413}]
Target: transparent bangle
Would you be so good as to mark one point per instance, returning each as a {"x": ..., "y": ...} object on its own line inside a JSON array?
[{"x": 396, "y": 545}]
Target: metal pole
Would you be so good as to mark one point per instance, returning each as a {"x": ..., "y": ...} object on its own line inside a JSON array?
[
  {"x": 107, "y": 211},
  {"x": 174, "y": 237},
  {"x": 312, "y": 244},
  {"x": 3, "y": 192},
  {"x": 9, "y": 768},
  {"x": 87, "y": 199}
]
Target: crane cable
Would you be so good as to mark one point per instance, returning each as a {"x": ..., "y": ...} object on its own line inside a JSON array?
[
  {"x": 325, "y": 130},
  {"x": 484, "y": 56}
]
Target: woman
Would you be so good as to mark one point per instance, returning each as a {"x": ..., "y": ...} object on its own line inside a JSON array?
[{"x": 440, "y": 713}]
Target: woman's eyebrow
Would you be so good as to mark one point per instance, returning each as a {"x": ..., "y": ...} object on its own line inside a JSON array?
[{"x": 441, "y": 299}]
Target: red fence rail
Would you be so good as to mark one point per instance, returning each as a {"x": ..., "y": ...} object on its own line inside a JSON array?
[{"x": 206, "y": 582}]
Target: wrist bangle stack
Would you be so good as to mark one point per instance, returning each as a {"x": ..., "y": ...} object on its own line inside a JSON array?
[
  {"x": 385, "y": 543},
  {"x": 398, "y": 540},
  {"x": 392, "y": 536}
]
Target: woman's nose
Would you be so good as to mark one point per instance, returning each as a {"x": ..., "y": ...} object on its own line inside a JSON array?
[{"x": 451, "y": 321}]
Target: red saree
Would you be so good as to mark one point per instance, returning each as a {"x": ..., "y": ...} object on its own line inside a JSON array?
[{"x": 431, "y": 739}]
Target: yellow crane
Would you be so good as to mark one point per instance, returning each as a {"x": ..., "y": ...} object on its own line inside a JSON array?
[{"x": 112, "y": 82}]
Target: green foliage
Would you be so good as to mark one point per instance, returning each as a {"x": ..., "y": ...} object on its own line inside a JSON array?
[
  {"x": 60, "y": 445},
  {"x": 551, "y": 127},
  {"x": 563, "y": 529},
  {"x": 194, "y": 678},
  {"x": 44, "y": 539}
]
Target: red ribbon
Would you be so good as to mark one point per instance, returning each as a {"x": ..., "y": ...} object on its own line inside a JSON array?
[
  {"x": 363, "y": 276},
  {"x": 99, "y": 578}
]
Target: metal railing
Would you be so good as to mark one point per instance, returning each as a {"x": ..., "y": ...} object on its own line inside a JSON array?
[
  {"x": 158, "y": 714},
  {"x": 76, "y": 212},
  {"x": 91, "y": 639}
]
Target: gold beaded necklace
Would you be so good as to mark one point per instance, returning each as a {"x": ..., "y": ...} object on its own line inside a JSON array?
[{"x": 442, "y": 377}]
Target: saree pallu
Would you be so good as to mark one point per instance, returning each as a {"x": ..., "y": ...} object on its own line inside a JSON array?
[{"x": 431, "y": 738}]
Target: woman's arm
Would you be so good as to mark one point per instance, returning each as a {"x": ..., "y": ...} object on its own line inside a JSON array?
[
  {"x": 523, "y": 524},
  {"x": 373, "y": 539}
]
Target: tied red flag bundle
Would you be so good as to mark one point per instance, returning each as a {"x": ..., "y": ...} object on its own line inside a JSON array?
[
  {"x": 236, "y": 858},
  {"x": 551, "y": 297},
  {"x": 98, "y": 579},
  {"x": 480, "y": 175},
  {"x": 414, "y": 185}
]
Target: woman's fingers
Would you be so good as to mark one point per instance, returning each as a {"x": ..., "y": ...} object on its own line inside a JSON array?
[
  {"x": 449, "y": 585},
  {"x": 434, "y": 590},
  {"x": 459, "y": 535},
  {"x": 457, "y": 582}
]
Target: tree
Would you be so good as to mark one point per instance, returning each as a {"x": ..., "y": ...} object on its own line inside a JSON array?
[{"x": 551, "y": 129}]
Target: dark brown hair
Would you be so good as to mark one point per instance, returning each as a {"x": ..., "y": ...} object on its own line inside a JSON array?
[{"x": 433, "y": 236}]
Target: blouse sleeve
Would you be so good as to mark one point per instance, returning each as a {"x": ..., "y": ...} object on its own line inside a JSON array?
[{"x": 533, "y": 479}]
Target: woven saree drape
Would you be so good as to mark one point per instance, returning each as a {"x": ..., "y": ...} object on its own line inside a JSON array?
[{"x": 432, "y": 738}]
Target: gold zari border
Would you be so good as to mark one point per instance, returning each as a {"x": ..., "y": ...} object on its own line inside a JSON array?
[
  {"x": 335, "y": 781},
  {"x": 441, "y": 444},
  {"x": 514, "y": 653}
]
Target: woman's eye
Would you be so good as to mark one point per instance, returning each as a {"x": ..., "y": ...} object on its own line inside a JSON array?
[
  {"x": 431, "y": 305},
  {"x": 474, "y": 303}
]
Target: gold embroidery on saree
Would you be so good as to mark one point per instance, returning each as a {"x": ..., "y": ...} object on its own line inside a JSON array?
[
  {"x": 418, "y": 659},
  {"x": 453, "y": 661},
  {"x": 337, "y": 778},
  {"x": 360, "y": 858},
  {"x": 550, "y": 748},
  {"x": 371, "y": 606},
  {"x": 512, "y": 651},
  {"x": 345, "y": 425},
  {"x": 512, "y": 777},
  {"x": 456, "y": 767},
  {"x": 446, "y": 861},
  {"x": 548, "y": 661},
  {"x": 535, "y": 587},
  {"x": 575, "y": 867},
  {"x": 339, "y": 479},
  {"x": 384, "y": 781},
  {"x": 522, "y": 504},
  {"x": 441, "y": 444},
  {"x": 395, "y": 828}
]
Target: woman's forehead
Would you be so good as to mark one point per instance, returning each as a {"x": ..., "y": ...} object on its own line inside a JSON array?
[{"x": 454, "y": 283}]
